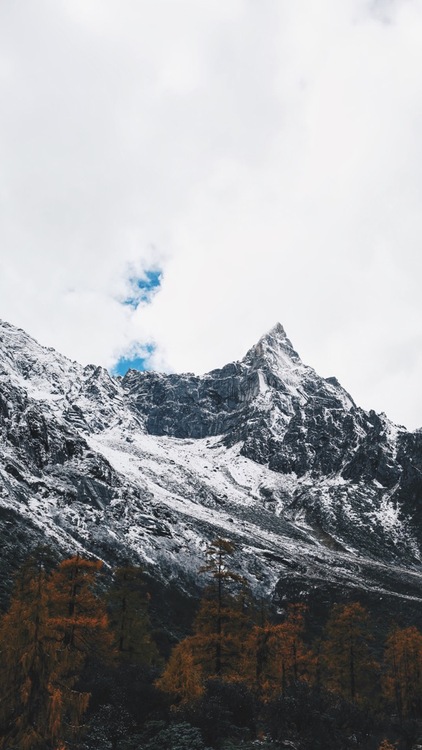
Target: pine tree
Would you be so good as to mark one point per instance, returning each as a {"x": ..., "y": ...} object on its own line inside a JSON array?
[
  {"x": 77, "y": 613},
  {"x": 219, "y": 631}
]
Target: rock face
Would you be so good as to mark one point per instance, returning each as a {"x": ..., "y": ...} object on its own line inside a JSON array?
[{"x": 152, "y": 466}]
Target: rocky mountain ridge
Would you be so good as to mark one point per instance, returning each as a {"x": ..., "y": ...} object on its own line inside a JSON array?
[{"x": 152, "y": 466}]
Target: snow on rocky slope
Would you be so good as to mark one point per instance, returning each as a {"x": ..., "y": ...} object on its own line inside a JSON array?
[{"x": 150, "y": 467}]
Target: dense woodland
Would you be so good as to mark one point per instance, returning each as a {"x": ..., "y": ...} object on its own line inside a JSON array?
[{"x": 83, "y": 667}]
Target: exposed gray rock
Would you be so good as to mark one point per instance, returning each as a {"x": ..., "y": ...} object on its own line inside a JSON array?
[{"x": 151, "y": 466}]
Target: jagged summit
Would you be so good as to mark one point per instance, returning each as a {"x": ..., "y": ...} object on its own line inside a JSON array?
[
  {"x": 263, "y": 451},
  {"x": 276, "y": 335},
  {"x": 274, "y": 350}
]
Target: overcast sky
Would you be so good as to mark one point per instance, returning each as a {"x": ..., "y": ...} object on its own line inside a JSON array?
[{"x": 178, "y": 175}]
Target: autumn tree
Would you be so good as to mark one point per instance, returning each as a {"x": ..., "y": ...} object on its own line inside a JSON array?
[
  {"x": 79, "y": 619},
  {"x": 77, "y": 613},
  {"x": 222, "y": 620},
  {"x": 79, "y": 622},
  {"x": 346, "y": 659},
  {"x": 219, "y": 630},
  {"x": 276, "y": 656},
  {"x": 183, "y": 677},
  {"x": 54, "y": 623},
  {"x": 128, "y": 603},
  {"x": 27, "y": 661},
  {"x": 386, "y": 745},
  {"x": 402, "y": 681}
]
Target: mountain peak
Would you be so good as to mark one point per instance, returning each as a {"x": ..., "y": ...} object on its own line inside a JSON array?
[
  {"x": 277, "y": 330},
  {"x": 275, "y": 349},
  {"x": 276, "y": 334}
]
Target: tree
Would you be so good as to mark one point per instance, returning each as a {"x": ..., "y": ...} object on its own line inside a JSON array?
[
  {"x": 128, "y": 603},
  {"x": 54, "y": 622},
  {"x": 78, "y": 615},
  {"x": 402, "y": 681},
  {"x": 223, "y": 616},
  {"x": 275, "y": 655},
  {"x": 346, "y": 659},
  {"x": 27, "y": 662},
  {"x": 183, "y": 677},
  {"x": 79, "y": 620},
  {"x": 219, "y": 630}
]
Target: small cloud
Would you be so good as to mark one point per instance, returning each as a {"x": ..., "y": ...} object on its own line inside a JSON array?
[
  {"x": 143, "y": 288},
  {"x": 139, "y": 360}
]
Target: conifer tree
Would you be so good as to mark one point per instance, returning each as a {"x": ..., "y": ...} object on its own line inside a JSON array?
[
  {"x": 223, "y": 615},
  {"x": 79, "y": 622},
  {"x": 27, "y": 661},
  {"x": 128, "y": 603},
  {"x": 346, "y": 660},
  {"x": 183, "y": 677},
  {"x": 78, "y": 615},
  {"x": 54, "y": 622},
  {"x": 402, "y": 681},
  {"x": 220, "y": 627},
  {"x": 276, "y": 656}
]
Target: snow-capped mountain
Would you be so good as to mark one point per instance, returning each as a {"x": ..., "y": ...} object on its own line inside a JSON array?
[{"x": 150, "y": 467}]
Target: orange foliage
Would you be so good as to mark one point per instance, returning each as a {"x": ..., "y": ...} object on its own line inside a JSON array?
[
  {"x": 183, "y": 676},
  {"x": 52, "y": 624},
  {"x": 402, "y": 682},
  {"x": 275, "y": 656},
  {"x": 347, "y": 664}
]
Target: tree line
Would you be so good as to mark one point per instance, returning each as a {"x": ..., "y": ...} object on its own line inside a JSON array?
[{"x": 81, "y": 668}]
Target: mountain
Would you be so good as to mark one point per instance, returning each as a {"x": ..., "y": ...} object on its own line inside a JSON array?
[{"x": 316, "y": 492}]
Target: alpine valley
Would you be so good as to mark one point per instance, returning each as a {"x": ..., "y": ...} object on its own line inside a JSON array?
[{"x": 320, "y": 497}]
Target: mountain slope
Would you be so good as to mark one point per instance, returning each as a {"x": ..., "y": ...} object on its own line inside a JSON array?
[{"x": 153, "y": 466}]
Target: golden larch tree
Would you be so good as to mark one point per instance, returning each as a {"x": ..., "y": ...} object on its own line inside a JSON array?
[
  {"x": 402, "y": 680},
  {"x": 276, "y": 656},
  {"x": 128, "y": 604},
  {"x": 347, "y": 664},
  {"x": 27, "y": 662}
]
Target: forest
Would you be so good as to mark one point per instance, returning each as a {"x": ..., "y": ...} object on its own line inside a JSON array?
[{"x": 85, "y": 666}]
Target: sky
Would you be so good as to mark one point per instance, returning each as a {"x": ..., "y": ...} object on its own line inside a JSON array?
[{"x": 176, "y": 176}]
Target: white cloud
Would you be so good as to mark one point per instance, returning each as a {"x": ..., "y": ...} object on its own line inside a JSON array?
[{"x": 266, "y": 155}]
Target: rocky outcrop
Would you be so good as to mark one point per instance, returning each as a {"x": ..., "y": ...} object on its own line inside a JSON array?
[
  {"x": 151, "y": 466},
  {"x": 285, "y": 415}
]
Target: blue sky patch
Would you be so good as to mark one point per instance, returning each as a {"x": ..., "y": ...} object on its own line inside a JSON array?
[
  {"x": 138, "y": 362},
  {"x": 143, "y": 288}
]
